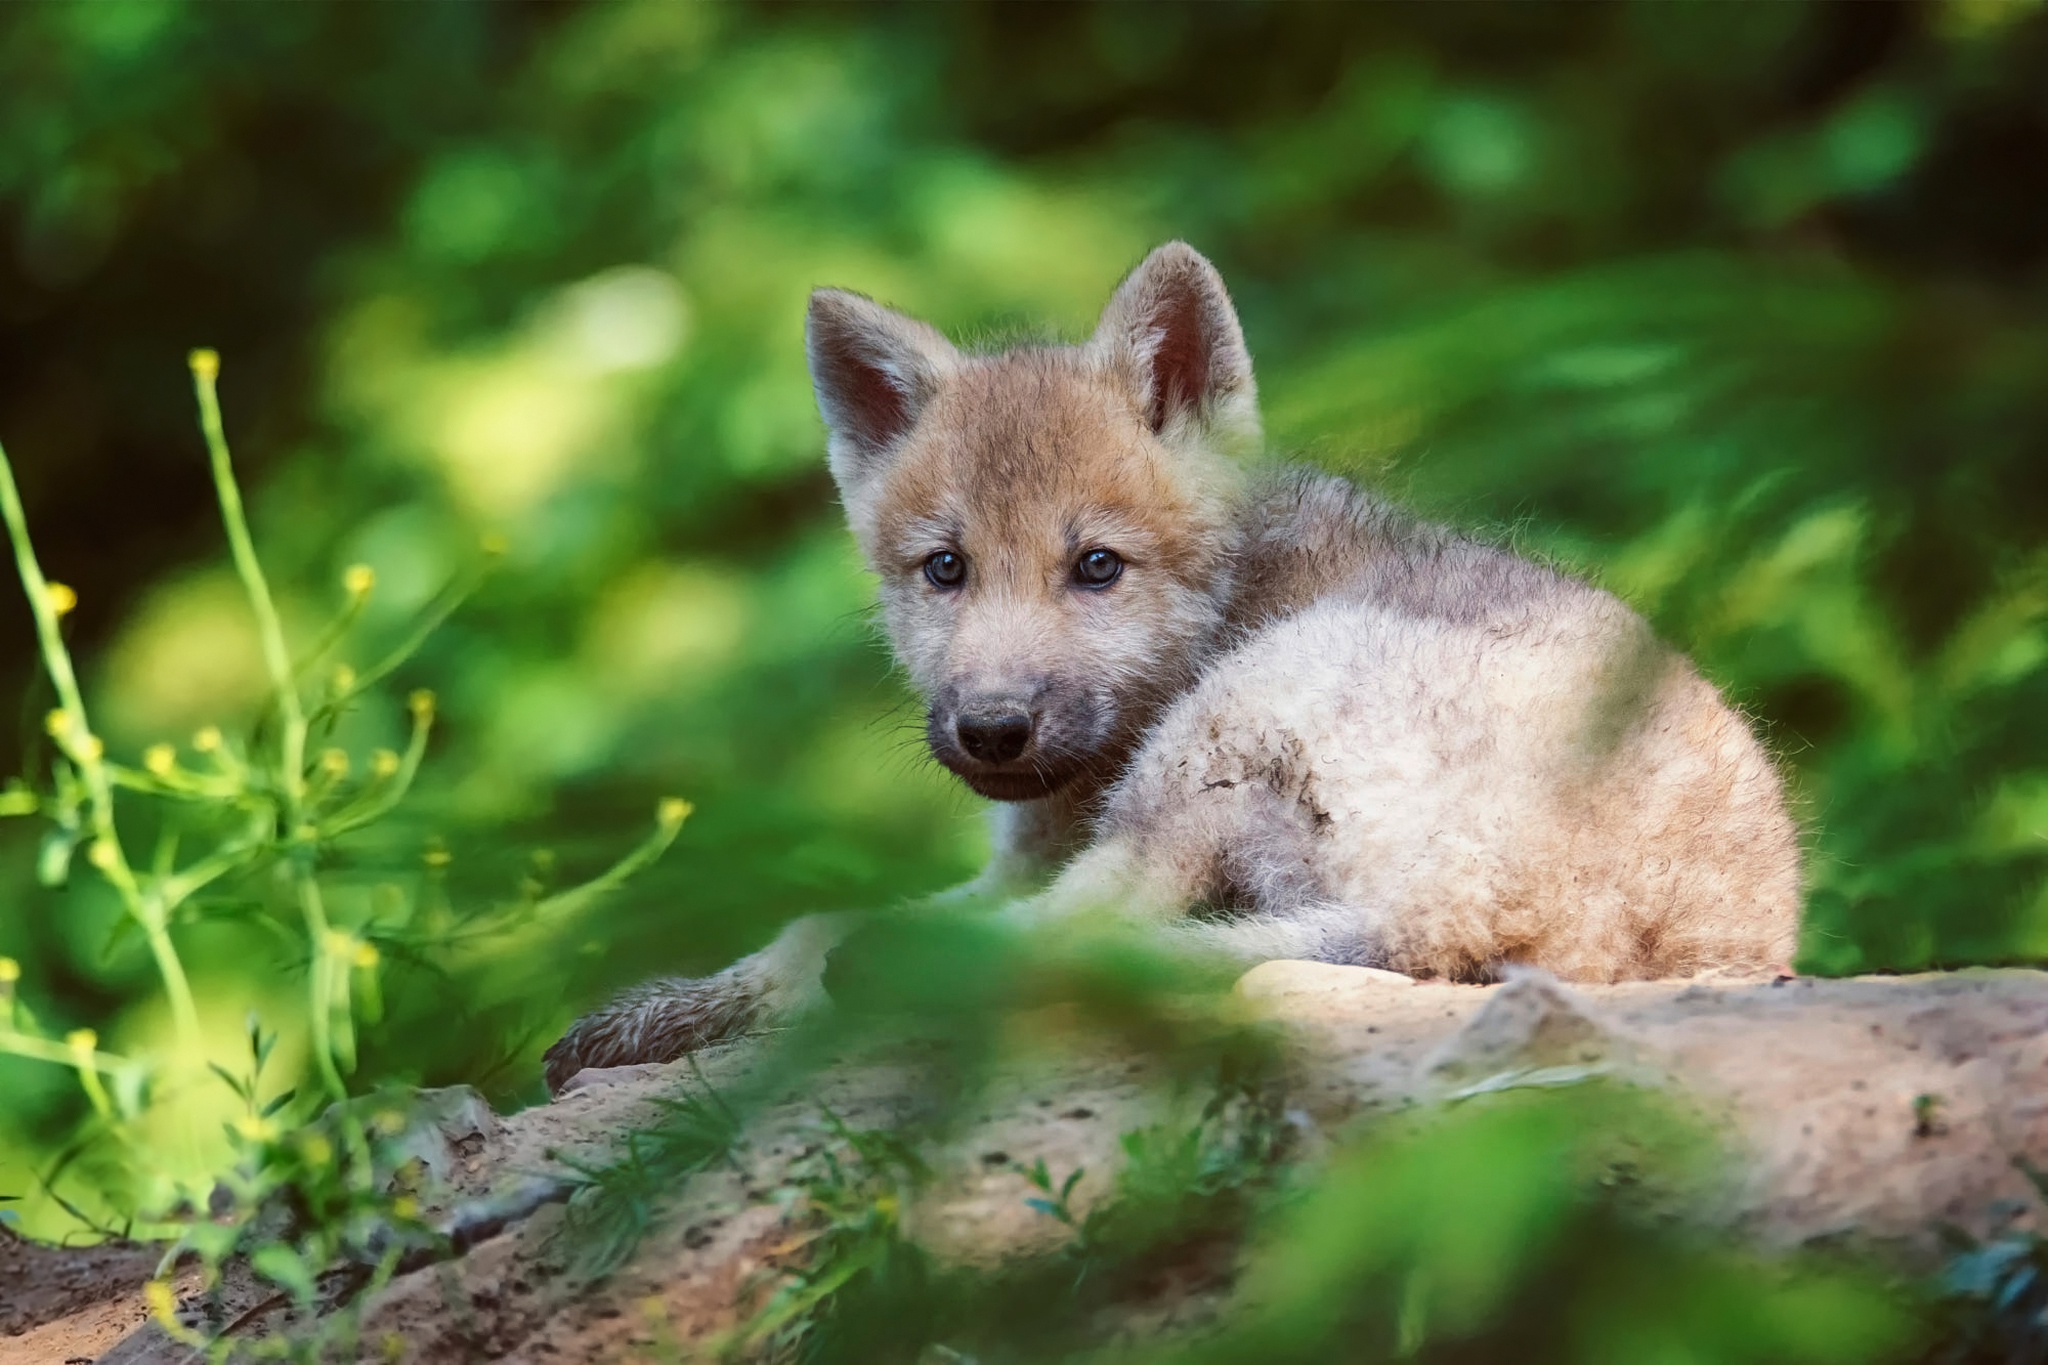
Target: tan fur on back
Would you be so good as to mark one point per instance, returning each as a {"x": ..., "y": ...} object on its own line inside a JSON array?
[{"x": 1298, "y": 723}]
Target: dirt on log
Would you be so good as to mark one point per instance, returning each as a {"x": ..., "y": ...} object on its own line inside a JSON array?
[{"x": 1870, "y": 1111}]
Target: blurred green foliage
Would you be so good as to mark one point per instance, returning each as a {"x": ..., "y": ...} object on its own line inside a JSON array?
[
  {"x": 1739, "y": 309},
  {"x": 1527, "y": 1224}
]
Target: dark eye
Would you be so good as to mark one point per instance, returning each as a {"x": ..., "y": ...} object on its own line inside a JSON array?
[
  {"x": 946, "y": 569},
  {"x": 1098, "y": 568}
]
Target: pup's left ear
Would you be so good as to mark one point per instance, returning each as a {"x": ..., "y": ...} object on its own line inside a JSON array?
[{"x": 1171, "y": 333}]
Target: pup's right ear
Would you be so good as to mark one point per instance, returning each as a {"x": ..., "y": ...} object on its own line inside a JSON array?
[{"x": 873, "y": 370}]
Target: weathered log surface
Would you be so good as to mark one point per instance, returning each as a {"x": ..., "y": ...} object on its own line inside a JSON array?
[
  {"x": 1871, "y": 1111},
  {"x": 1875, "y": 1108}
]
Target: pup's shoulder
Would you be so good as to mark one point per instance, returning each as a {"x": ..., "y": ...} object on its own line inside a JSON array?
[{"x": 1305, "y": 536}]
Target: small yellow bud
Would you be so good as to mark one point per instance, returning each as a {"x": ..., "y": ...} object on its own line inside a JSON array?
[
  {"x": 388, "y": 1123},
  {"x": 340, "y": 944},
  {"x": 342, "y": 681},
  {"x": 160, "y": 759},
  {"x": 82, "y": 1041},
  {"x": 673, "y": 811},
  {"x": 405, "y": 1207},
  {"x": 163, "y": 1302},
  {"x": 393, "y": 1348},
  {"x": 308, "y": 833},
  {"x": 384, "y": 763},
  {"x": 10, "y": 971},
  {"x": 334, "y": 762},
  {"x": 60, "y": 597},
  {"x": 422, "y": 704},
  {"x": 207, "y": 740},
  {"x": 256, "y": 1128},
  {"x": 90, "y": 747},
  {"x": 366, "y": 955},
  {"x": 104, "y": 855},
  {"x": 437, "y": 856},
  {"x": 205, "y": 363},
  {"x": 317, "y": 1150},
  {"x": 358, "y": 579},
  {"x": 494, "y": 544},
  {"x": 58, "y": 723}
]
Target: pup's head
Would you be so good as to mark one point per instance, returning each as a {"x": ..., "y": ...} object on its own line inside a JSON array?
[{"x": 1050, "y": 524}]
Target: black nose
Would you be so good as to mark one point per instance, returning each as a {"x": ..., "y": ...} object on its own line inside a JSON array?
[{"x": 993, "y": 736}]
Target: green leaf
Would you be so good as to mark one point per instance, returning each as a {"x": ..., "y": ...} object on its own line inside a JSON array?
[
  {"x": 212, "y": 1242},
  {"x": 283, "y": 1266},
  {"x": 229, "y": 1077},
  {"x": 53, "y": 861},
  {"x": 117, "y": 933}
]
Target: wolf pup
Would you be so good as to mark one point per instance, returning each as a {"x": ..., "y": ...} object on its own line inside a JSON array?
[{"x": 1249, "y": 705}]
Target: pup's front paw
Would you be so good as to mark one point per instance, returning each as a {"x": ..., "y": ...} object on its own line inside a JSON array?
[{"x": 657, "y": 1022}]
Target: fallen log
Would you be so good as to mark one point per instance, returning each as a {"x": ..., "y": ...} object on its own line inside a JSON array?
[{"x": 1872, "y": 1112}]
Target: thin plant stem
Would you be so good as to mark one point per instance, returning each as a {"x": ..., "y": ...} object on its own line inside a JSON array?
[
  {"x": 84, "y": 751},
  {"x": 291, "y": 715},
  {"x": 431, "y": 618},
  {"x": 18, "y": 1044},
  {"x": 276, "y": 655},
  {"x": 564, "y": 904},
  {"x": 549, "y": 913},
  {"x": 320, "y": 981},
  {"x": 377, "y": 802},
  {"x": 337, "y": 631}
]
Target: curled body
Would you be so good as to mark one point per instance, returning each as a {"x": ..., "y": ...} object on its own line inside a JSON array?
[{"x": 1247, "y": 704}]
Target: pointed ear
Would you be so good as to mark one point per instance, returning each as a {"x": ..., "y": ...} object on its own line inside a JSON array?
[
  {"x": 873, "y": 371},
  {"x": 1171, "y": 332}
]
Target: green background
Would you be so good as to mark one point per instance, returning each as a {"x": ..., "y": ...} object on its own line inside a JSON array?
[{"x": 1737, "y": 309}]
